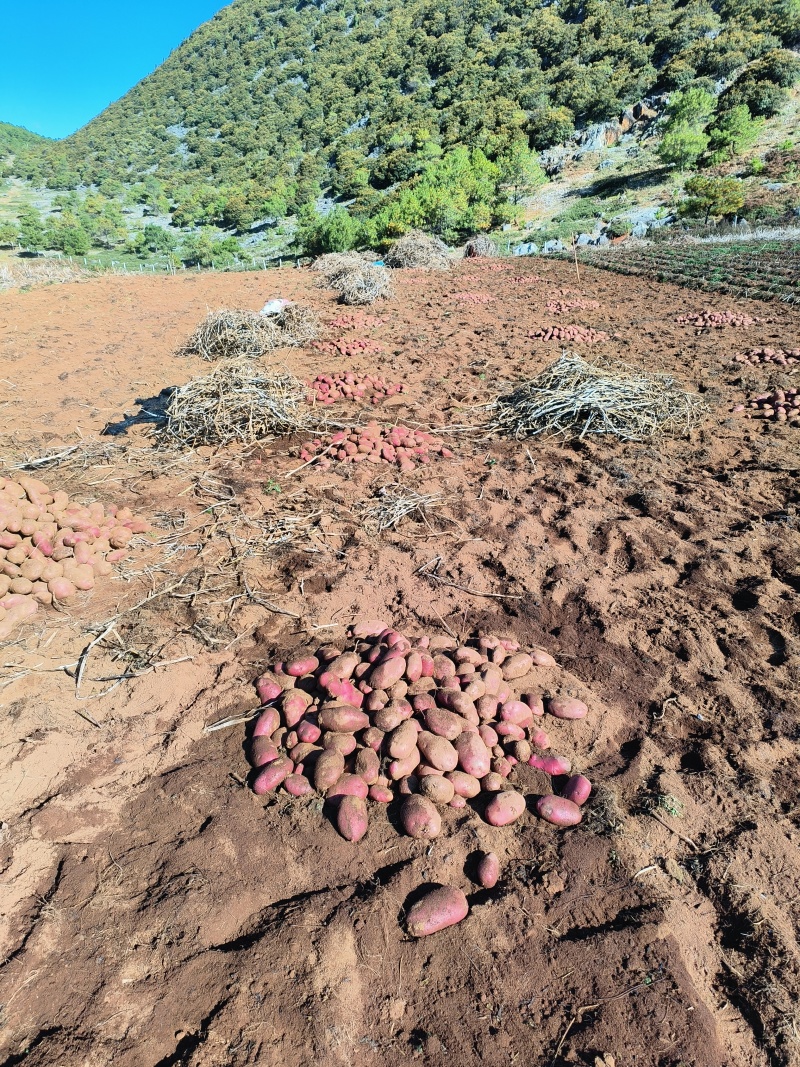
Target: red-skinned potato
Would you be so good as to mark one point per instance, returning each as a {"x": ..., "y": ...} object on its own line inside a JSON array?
[
  {"x": 352, "y": 819},
  {"x": 343, "y": 719},
  {"x": 367, "y": 765},
  {"x": 368, "y": 628},
  {"x": 437, "y": 751},
  {"x": 436, "y": 788},
  {"x": 443, "y": 723},
  {"x": 542, "y": 658},
  {"x": 308, "y": 731},
  {"x": 294, "y": 703},
  {"x": 262, "y": 751},
  {"x": 297, "y": 785},
  {"x": 420, "y": 818},
  {"x": 268, "y": 690},
  {"x": 272, "y": 775},
  {"x": 441, "y": 907},
  {"x": 558, "y": 810},
  {"x": 488, "y": 870},
  {"x": 266, "y": 723},
  {"x": 381, "y": 794},
  {"x": 373, "y": 738},
  {"x": 402, "y": 740},
  {"x": 387, "y": 673},
  {"x": 577, "y": 789},
  {"x": 344, "y": 743},
  {"x": 563, "y": 708},
  {"x": 504, "y": 808},
  {"x": 465, "y": 785},
  {"x": 402, "y": 768},
  {"x": 553, "y": 765},
  {"x": 344, "y": 665},
  {"x": 328, "y": 769},
  {"x": 349, "y": 785},
  {"x": 473, "y": 755},
  {"x": 517, "y": 666}
]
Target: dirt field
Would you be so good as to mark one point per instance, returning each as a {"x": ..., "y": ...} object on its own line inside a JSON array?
[{"x": 156, "y": 912}]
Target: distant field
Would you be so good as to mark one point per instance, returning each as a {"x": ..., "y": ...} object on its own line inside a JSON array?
[{"x": 768, "y": 270}]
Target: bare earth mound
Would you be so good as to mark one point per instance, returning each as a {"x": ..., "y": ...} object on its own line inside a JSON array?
[{"x": 156, "y": 912}]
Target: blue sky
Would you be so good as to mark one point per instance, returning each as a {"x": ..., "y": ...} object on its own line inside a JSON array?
[{"x": 64, "y": 62}]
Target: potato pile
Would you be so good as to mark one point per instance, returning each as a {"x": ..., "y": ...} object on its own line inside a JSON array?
[
  {"x": 350, "y": 385},
  {"x": 50, "y": 547},
  {"x": 579, "y": 335},
  {"x": 558, "y": 307},
  {"x": 356, "y": 346},
  {"x": 399, "y": 445},
  {"x": 715, "y": 320},
  {"x": 783, "y": 357},
  {"x": 356, "y": 322},
  {"x": 781, "y": 405},
  {"x": 424, "y": 719},
  {"x": 473, "y": 298}
]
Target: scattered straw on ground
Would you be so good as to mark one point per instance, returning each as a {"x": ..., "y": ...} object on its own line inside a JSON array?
[
  {"x": 418, "y": 249},
  {"x": 573, "y": 398},
  {"x": 237, "y": 401},
  {"x": 229, "y": 333},
  {"x": 395, "y": 503},
  {"x": 44, "y": 271},
  {"x": 479, "y": 246}
]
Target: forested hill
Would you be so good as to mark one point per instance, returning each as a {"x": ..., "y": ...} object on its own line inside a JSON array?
[
  {"x": 361, "y": 94},
  {"x": 17, "y": 139}
]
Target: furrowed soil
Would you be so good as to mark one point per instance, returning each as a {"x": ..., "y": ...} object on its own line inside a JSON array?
[{"x": 156, "y": 912}]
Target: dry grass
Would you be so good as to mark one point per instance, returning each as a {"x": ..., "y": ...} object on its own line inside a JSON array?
[
  {"x": 479, "y": 246},
  {"x": 24, "y": 272},
  {"x": 573, "y": 398},
  {"x": 332, "y": 262},
  {"x": 417, "y": 249},
  {"x": 298, "y": 324},
  {"x": 229, "y": 333},
  {"x": 396, "y": 502},
  {"x": 362, "y": 285},
  {"x": 238, "y": 401}
]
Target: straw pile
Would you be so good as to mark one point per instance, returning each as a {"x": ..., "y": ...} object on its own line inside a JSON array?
[
  {"x": 479, "y": 246},
  {"x": 417, "y": 249},
  {"x": 229, "y": 332},
  {"x": 363, "y": 285},
  {"x": 298, "y": 324},
  {"x": 237, "y": 401},
  {"x": 573, "y": 398}
]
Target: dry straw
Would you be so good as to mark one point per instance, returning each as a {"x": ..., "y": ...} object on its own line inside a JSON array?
[
  {"x": 332, "y": 262},
  {"x": 238, "y": 401},
  {"x": 363, "y": 285},
  {"x": 298, "y": 324},
  {"x": 418, "y": 249},
  {"x": 395, "y": 503},
  {"x": 229, "y": 333},
  {"x": 479, "y": 246},
  {"x": 573, "y": 398}
]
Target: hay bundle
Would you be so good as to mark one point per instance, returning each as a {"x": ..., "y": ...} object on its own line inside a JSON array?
[
  {"x": 229, "y": 333},
  {"x": 417, "y": 249},
  {"x": 332, "y": 262},
  {"x": 298, "y": 324},
  {"x": 479, "y": 246},
  {"x": 237, "y": 401},
  {"x": 573, "y": 398},
  {"x": 362, "y": 284}
]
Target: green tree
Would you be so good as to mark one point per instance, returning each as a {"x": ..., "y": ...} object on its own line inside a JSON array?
[
  {"x": 31, "y": 231},
  {"x": 337, "y": 231},
  {"x": 732, "y": 133},
  {"x": 713, "y": 197},
  {"x": 158, "y": 239},
  {"x": 682, "y": 145},
  {"x": 520, "y": 171},
  {"x": 9, "y": 234},
  {"x": 693, "y": 106}
]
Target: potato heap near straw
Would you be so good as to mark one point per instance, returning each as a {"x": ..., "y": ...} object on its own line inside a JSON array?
[
  {"x": 347, "y": 385},
  {"x": 781, "y": 405},
  {"x": 715, "y": 320},
  {"x": 422, "y": 718},
  {"x": 788, "y": 357},
  {"x": 51, "y": 547},
  {"x": 399, "y": 445},
  {"x": 355, "y": 346},
  {"x": 576, "y": 335}
]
